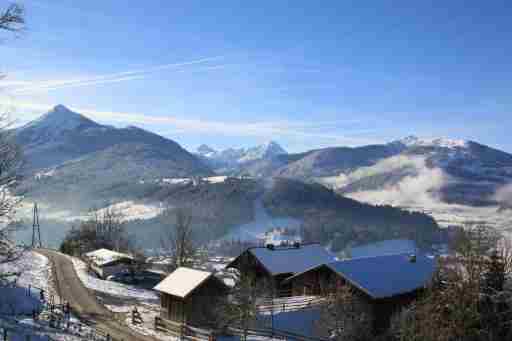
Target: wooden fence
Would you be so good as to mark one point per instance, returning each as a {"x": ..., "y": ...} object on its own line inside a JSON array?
[
  {"x": 57, "y": 313},
  {"x": 273, "y": 334},
  {"x": 183, "y": 331},
  {"x": 186, "y": 332},
  {"x": 275, "y": 305},
  {"x": 7, "y": 334}
]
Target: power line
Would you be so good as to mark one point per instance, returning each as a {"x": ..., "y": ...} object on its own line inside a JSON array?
[{"x": 36, "y": 235}]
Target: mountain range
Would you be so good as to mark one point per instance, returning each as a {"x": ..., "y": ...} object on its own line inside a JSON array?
[
  {"x": 74, "y": 164},
  {"x": 66, "y": 151},
  {"x": 452, "y": 171},
  {"x": 236, "y": 160}
]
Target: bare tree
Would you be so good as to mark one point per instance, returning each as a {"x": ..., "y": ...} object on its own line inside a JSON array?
[
  {"x": 178, "y": 241},
  {"x": 241, "y": 308},
  {"x": 12, "y": 20},
  {"x": 464, "y": 302},
  {"x": 139, "y": 263},
  {"x": 344, "y": 316},
  {"x": 104, "y": 229}
]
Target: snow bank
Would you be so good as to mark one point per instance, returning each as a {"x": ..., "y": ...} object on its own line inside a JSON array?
[
  {"x": 34, "y": 267},
  {"x": 35, "y": 272}
]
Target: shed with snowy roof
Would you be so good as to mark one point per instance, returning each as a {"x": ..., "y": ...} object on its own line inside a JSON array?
[
  {"x": 107, "y": 262},
  {"x": 190, "y": 296},
  {"x": 271, "y": 265},
  {"x": 385, "y": 284}
]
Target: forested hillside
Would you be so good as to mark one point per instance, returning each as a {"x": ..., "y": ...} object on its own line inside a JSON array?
[{"x": 333, "y": 219}]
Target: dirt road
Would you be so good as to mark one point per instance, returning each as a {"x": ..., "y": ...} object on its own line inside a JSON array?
[{"x": 83, "y": 302}]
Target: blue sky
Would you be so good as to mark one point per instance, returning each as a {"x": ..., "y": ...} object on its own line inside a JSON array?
[{"x": 306, "y": 74}]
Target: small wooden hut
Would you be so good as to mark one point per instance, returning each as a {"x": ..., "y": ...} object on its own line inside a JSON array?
[{"x": 190, "y": 296}]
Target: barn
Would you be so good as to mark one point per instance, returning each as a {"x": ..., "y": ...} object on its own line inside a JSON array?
[
  {"x": 106, "y": 262},
  {"x": 271, "y": 265},
  {"x": 384, "y": 284},
  {"x": 190, "y": 296}
]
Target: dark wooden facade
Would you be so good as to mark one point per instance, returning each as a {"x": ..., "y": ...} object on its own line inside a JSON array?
[
  {"x": 263, "y": 278},
  {"x": 199, "y": 307},
  {"x": 322, "y": 281},
  {"x": 318, "y": 282}
]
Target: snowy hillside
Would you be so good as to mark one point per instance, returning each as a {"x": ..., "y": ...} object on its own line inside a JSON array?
[{"x": 414, "y": 141}]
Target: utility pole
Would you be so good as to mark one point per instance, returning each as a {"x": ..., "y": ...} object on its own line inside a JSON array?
[{"x": 36, "y": 235}]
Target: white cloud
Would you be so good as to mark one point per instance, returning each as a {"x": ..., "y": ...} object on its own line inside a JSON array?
[
  {"x": 504, "y": 194},
  {"x": 49, "y": 85},
  {"x": 418, "y": 189},
  {"x": 297, "y": 130}
]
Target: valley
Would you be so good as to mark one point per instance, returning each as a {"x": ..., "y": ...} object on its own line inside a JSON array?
[{"x": 141, "y": 176}]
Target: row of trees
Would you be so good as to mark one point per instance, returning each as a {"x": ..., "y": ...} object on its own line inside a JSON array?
[
  {"x": 470, "y": 299},
  {"x": 106, "y": 228}
]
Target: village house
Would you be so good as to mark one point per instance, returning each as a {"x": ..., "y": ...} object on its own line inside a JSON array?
[
  {"x": 190, "y": 296},
  {"x": 383, "y": 284},
  {"x": 106, "y": 262},
  {"x": 271, "y": 265}
]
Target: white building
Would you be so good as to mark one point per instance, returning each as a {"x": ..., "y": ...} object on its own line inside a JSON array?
[{"x": 107, "y": 262}]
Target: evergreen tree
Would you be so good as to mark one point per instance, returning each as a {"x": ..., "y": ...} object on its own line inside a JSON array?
[{"x": 494, "y": 277}]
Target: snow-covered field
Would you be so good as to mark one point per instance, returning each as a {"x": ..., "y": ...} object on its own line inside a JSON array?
[
  {"x": 16, "y": 305},
  {"x": 186, "y": 181},
  {"x": 130, "y": 210},
  {"x": 35, "y": 270}
]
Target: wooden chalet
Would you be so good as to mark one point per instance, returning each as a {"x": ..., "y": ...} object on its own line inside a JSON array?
[
  {"x": 190, "y": 296},
  {"x": 270, "y": 266},
  {"x": 106, "y": 262},
  {"x": 382, "y": 284}
]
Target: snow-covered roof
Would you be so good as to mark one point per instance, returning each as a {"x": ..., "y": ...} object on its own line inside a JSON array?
[
  {"x": 381, "y": 248},
  {"x": 104, "y": 256},
  {"x": 386, "y": 276},
  {"x": 282, "y": 260},
  {"x": 182, "y": 282}
]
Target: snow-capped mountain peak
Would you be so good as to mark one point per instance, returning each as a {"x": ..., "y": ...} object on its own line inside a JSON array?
[
  {"x": 59, "y": 119},
  {"x": 414, "y": 141},
  {"x": 266, "y": 150},
  {"x": 206, "y": 151}
]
